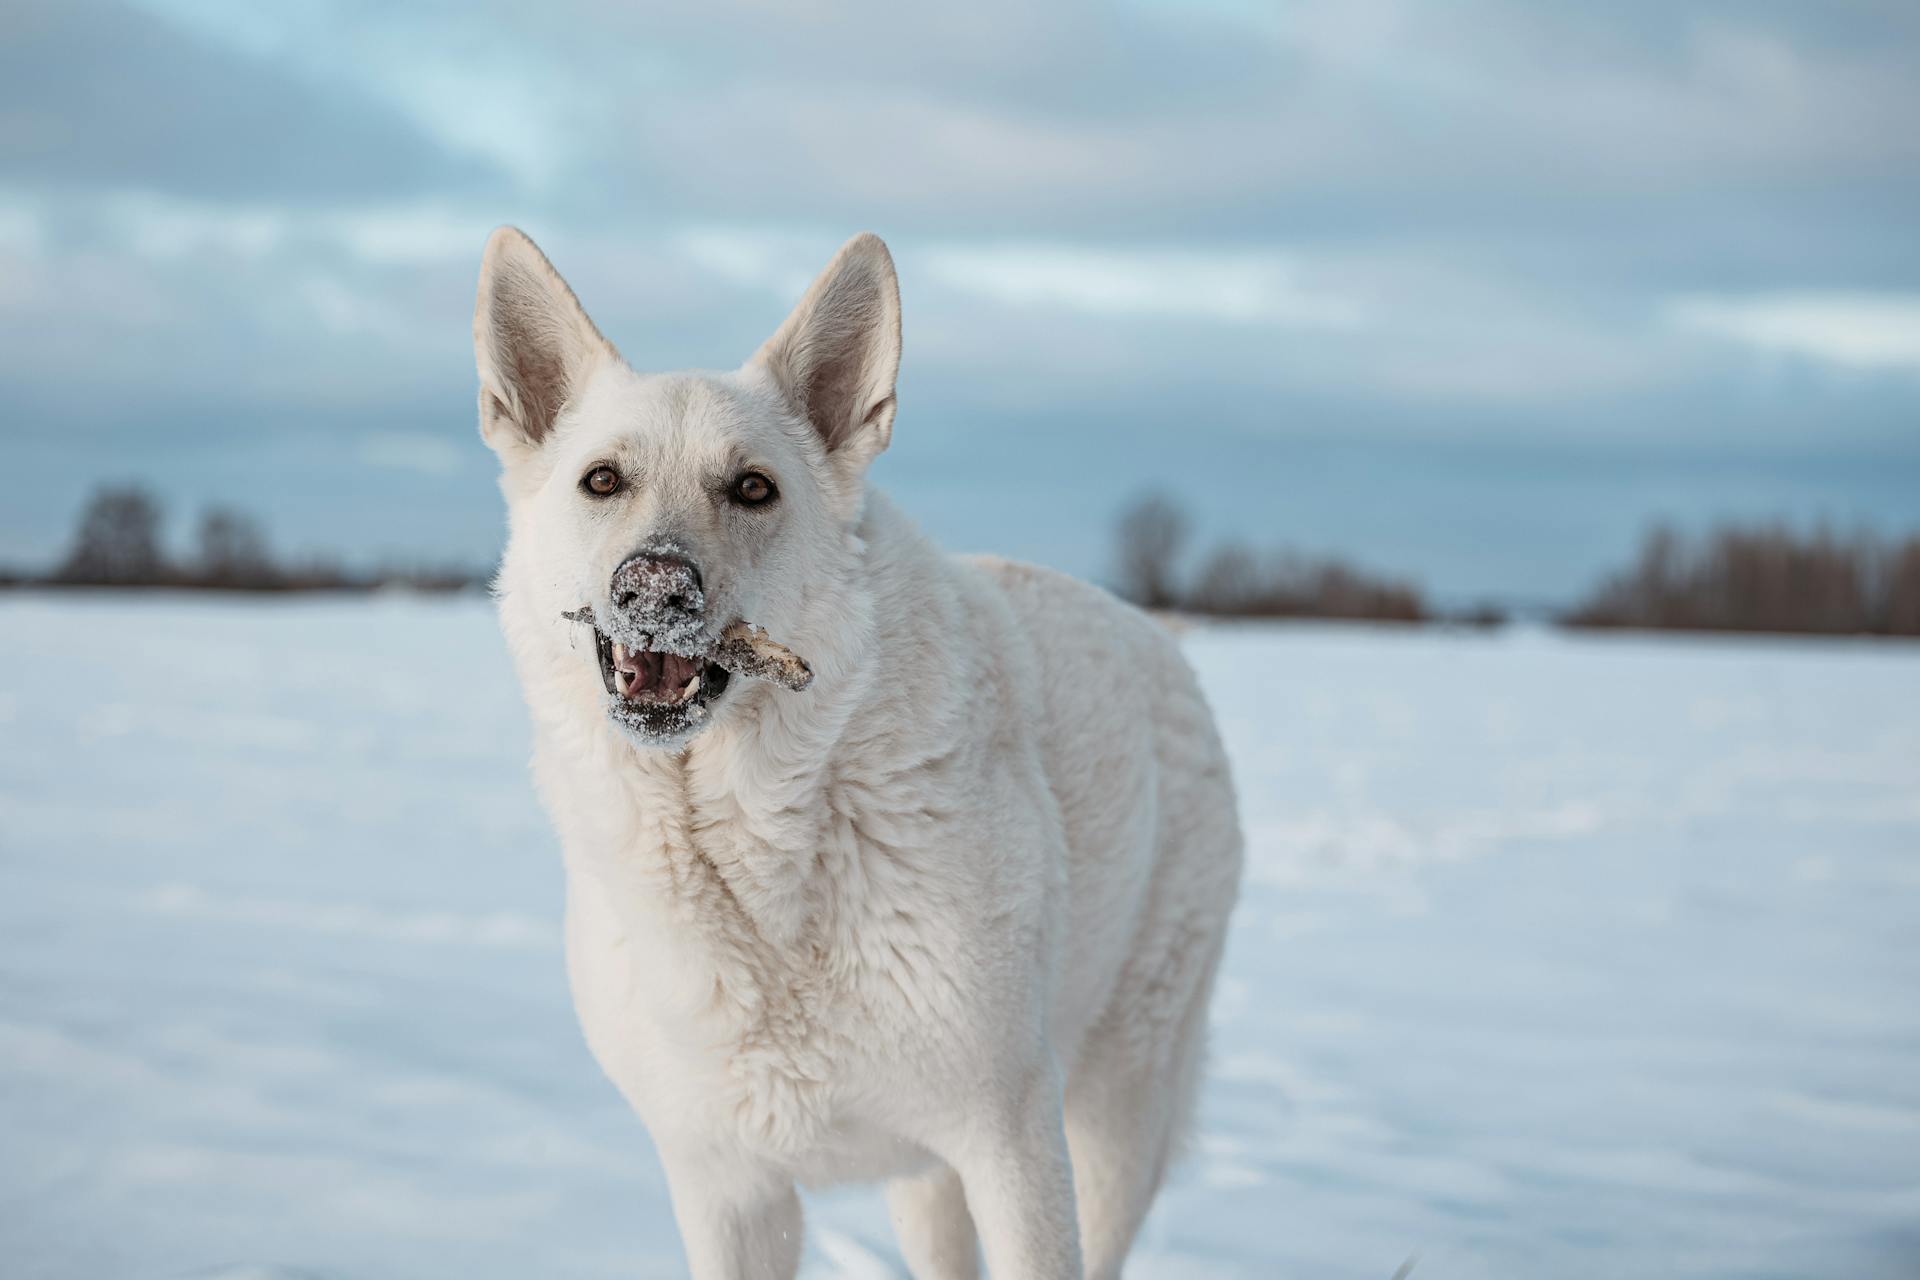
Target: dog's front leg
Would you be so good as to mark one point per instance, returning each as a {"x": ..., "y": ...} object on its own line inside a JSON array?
[
  {"x": 737, "y": 1221},
  {"x": 1019, "y": 1187}
]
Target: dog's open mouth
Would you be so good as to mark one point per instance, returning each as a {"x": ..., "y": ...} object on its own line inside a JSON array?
[
  {"x": 640, "y": 676},
  {"x": 658, "y": 695},
  {"x": 663, "y": 696}
]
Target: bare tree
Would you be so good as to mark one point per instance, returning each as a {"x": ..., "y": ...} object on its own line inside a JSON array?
[
  {"x": 1151, "y": 534},
  {"x": 118, "y": 541}
]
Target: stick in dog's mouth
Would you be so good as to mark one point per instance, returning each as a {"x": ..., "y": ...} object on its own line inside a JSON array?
[
  {"x": 741, "y": 649},
  {"x": 746, "y": 650}
]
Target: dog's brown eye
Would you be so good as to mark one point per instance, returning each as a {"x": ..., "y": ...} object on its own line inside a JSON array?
[
  {"x": 752, "y": 489},
  {"x": 601, "y": 481}
]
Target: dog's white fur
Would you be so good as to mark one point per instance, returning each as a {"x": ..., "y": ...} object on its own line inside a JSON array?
[{"x": 950, "y": 917}]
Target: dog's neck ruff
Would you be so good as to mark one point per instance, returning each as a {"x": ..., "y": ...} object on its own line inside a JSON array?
[{"x": 736, "y": 826}]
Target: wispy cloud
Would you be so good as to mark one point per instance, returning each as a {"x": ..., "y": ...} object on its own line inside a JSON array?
[
  {"x": 1237, "y": 288},
  {"x": 414, "y": 451},
  {"x": 1850, "y": 330},
  {"x": 768, "y": 261}
]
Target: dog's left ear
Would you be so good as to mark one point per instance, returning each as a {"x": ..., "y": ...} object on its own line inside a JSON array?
[
  {"x": 837, "y": 356},
  {"x": 532, "y": 342}
]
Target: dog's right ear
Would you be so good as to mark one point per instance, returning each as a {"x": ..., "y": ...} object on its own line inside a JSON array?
[{"x": 532, "y": 342}]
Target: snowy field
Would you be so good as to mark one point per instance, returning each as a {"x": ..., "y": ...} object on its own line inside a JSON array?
[{"x": 1557, "y": 958}]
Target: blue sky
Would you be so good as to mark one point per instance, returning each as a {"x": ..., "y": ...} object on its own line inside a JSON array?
[{"x": 1469, "y": 291}]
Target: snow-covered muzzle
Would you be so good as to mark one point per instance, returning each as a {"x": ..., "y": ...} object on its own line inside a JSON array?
[{"x": 661, "y": 667}]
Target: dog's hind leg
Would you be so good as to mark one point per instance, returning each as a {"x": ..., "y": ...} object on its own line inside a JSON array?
[
  {"x": 1128, "y": 1107},
  {"x": 935, "y": 1230}
]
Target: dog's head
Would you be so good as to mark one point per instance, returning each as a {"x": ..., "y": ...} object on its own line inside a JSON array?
[{"x": 651, "y": 511}]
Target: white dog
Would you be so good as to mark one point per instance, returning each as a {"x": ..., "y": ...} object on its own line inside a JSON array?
[{"x": 880, "y": 865}]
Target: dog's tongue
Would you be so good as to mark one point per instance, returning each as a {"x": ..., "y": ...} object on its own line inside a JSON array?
[{"x": 653, "y": 677}]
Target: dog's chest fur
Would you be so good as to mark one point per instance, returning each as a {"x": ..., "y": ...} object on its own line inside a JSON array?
[{"x": 764, "y": 973}]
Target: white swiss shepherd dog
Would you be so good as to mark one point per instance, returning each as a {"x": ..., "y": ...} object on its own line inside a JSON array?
[{"x": 922, "y": 874}]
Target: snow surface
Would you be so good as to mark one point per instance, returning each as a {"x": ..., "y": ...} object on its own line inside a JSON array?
[{"x": 1557, "y": 957}]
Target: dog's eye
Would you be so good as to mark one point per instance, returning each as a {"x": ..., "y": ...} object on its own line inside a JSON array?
[
  {"x": 753, "y": 490},
  {"x": 601, "y": 481}
]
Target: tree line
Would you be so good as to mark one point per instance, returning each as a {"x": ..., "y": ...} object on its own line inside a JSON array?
[
  {"x": 1234, "y": 580},
  {"x": 120, "y": 542},
  {"x": 1761, "y": 578}
]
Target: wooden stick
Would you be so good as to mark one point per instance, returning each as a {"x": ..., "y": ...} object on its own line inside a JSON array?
[{"x": 746, "y": 650}]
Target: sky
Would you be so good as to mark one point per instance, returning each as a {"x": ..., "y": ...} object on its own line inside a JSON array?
[{"x": 1468, "y": 292}]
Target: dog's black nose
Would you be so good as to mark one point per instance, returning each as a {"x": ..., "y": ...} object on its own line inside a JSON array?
[{"x": 658, "y": 582}]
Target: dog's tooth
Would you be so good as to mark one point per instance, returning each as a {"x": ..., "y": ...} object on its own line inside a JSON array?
[
  {"x": 693, "y": 687},
  {"x": 619, "y": 651}
]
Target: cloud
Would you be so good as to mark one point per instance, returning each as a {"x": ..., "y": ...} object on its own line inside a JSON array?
[
  {"x": 1850, "y": 330},
  {"x": 1150, "y": 120},
  {"x": 774, "y": 263},
  {"x": 118, "y": 308},
  {"x": 1237, "y": 288},
  {"x": 416, "y": 452},
  {"x": 1053, "y": 319}
]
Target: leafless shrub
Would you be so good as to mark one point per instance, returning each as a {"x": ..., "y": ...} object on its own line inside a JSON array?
[
  {"x": 1767, "y": 578},
  {"x": 1231, "y": 580},
  {"x": 1235, "y": 580},
  {"x": 234, "y": 551},
  {"x": 1903, "y": 589}
]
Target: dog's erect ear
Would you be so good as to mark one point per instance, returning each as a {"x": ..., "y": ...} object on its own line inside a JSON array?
[
  {"x": 533, "y": 343},
  {"x": 837, "y": 355}
]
